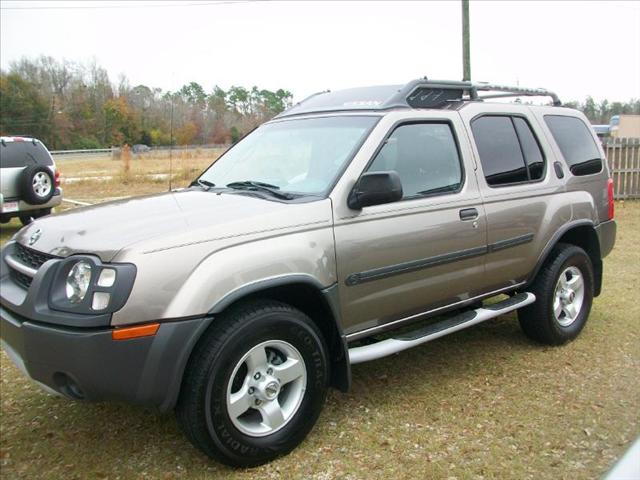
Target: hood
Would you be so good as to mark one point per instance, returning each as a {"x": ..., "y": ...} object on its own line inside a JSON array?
[{"x": 164, "y": 221}]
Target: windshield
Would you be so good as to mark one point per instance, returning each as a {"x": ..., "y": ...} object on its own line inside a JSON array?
[{"x": 299, "y": 156}]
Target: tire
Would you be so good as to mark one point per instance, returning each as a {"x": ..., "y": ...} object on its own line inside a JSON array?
[
  {"x": 36, "y": 184},
  {"x": 561, "y": 308},
  {"x": 29, "y": 217},
  {"x": 217, "y": 371}
]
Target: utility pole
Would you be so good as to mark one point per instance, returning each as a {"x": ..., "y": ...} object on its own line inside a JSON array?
[{"x": 466, "y": 56}]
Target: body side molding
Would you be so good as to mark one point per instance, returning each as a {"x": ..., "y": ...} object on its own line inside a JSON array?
[{"x": 414, "y": 265}]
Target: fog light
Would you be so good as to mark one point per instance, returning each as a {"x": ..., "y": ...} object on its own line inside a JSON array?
[
  {"x": 100, "y": 300},
  {"x": 107, "y": 277}
]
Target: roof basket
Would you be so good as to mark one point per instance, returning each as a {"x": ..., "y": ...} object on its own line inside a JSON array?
[
  {"x": 424, "y": 93},
  {"x": 420, "y": 93}
]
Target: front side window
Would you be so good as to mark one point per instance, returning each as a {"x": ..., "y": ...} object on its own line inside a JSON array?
[
  {"x": 425, "y": 156},
  {"x": 576, "y": 144},
  {"x": 508, "y": 149},
  {"x": 302, "y": 156}
]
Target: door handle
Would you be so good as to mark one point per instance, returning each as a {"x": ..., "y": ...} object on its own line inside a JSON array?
[{"x": 468, "y": 214}]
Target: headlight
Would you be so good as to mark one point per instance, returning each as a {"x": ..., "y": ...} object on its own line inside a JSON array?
[
  {"x": 83, "y": 285},
  {"x": 78, "y": 281}
]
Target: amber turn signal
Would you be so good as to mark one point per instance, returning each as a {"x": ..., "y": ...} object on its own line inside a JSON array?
[{"x": 126, "y": 333}]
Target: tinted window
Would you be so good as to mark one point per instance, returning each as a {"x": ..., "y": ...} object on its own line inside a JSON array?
[
  {"x": 425, "y": 156},
  {"x": 530, "y": 148},
  {"x": 21, "y": 154},
  {"x": 576, "y": 144},
  {"x": 499, "y": 150}
]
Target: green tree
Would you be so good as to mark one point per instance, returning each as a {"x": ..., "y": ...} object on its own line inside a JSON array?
[
  {"x": 145, "y": 138},
  {"x": 23, "y": 110},
  {"x": 236, "y": 135}
]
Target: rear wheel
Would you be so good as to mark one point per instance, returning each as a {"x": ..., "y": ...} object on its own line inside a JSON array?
[
  {"x": 255, "y": 384},
  {"x": 564, "y": 294}
]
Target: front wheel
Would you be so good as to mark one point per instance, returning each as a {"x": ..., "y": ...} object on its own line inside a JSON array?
[
  {"x": 564, "y": 294},
  {"x": 255, "y": 384}
]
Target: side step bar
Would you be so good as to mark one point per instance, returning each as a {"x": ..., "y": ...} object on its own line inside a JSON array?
[{"x": 440, "y": 329}]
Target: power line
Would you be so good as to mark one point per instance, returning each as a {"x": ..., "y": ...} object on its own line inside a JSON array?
[{"x": 124, "y": 6}]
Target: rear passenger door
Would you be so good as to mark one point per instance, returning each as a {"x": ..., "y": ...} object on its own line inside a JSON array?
[{"x": 520, "y": 189}]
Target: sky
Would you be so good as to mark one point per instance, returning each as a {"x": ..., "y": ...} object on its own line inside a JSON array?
[{"x": 575, "y": 48}]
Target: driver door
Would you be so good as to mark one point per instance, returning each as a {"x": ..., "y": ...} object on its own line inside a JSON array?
[{"x": 398, "y": 260}]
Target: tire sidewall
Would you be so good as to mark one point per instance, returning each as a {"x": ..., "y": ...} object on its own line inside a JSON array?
[
  {"x": 580, "y": 260},
  {"x": 26, "y": 184},
  {"x": 286, "y": 326}
]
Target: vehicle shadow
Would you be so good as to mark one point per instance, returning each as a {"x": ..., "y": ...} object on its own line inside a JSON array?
[{"x": 120, "y": 440}]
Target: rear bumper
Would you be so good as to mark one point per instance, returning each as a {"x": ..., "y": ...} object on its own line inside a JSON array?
[
  {"x": 606, "y": 232},
  {"x": 27, "y": 207},
  {"x": 88, "y": 364}
]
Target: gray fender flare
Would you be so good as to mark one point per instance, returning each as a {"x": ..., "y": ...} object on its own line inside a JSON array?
[{"x": 340, "y": 365}]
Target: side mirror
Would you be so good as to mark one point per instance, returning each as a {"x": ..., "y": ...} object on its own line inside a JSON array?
[{"x": 375, "y": 188}]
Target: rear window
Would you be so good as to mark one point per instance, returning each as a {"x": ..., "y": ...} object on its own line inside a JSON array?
[
  {"x": 21, "y": 154},
  {"x": 576, "y": 143}
]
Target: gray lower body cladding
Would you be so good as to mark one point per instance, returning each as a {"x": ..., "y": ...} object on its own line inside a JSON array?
[
  {"x": 88, "y": 364},
  {"x": 606, "y": 232}
]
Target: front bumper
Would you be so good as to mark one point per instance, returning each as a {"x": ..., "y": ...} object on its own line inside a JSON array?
[{"x": 88, "y": 364}]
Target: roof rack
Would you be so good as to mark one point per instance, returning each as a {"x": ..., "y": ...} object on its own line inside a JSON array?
[
  {"x": 435, "y": 93},
  {"x": 420, "y": 93}
]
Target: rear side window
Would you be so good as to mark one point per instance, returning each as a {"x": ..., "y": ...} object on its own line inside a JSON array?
[
  {"x": 425, "y": 156},
  {"x": 22, "y": 154},
  {"x": 576, "y": 144},
  {"x": 503, "y": 145}
]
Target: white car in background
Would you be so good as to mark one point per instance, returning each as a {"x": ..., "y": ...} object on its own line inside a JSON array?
[{"x": 29, "y": 180}]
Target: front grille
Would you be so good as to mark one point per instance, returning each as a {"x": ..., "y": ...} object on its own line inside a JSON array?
[
  {"x": 29, "y": 257},
  {"x": 20, "y": 278}
]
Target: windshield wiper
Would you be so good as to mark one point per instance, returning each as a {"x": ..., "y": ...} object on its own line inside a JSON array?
[
  {"x": 262, "y": 187},
  {"x": 206, "y": 184}
]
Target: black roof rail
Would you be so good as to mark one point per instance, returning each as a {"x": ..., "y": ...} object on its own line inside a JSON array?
[
  {"x": 516, "y": 92},
  {"x": 420, "y": 93}
]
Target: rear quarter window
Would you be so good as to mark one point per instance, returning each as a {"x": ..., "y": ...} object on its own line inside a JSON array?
[
  {"x": 22, "y": 154},
  {"x": 576, "y": 143}
]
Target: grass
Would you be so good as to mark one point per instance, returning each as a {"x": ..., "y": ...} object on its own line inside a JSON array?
[
  {"x": 99, "y": 178},
  {"x": 485, "y": 403}
]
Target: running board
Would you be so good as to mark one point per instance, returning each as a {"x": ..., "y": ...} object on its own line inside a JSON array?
[{"x": 440, "y": 329}]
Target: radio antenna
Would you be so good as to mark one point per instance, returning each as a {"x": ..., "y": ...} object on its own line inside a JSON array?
[{"x": 171, "y": 145}]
